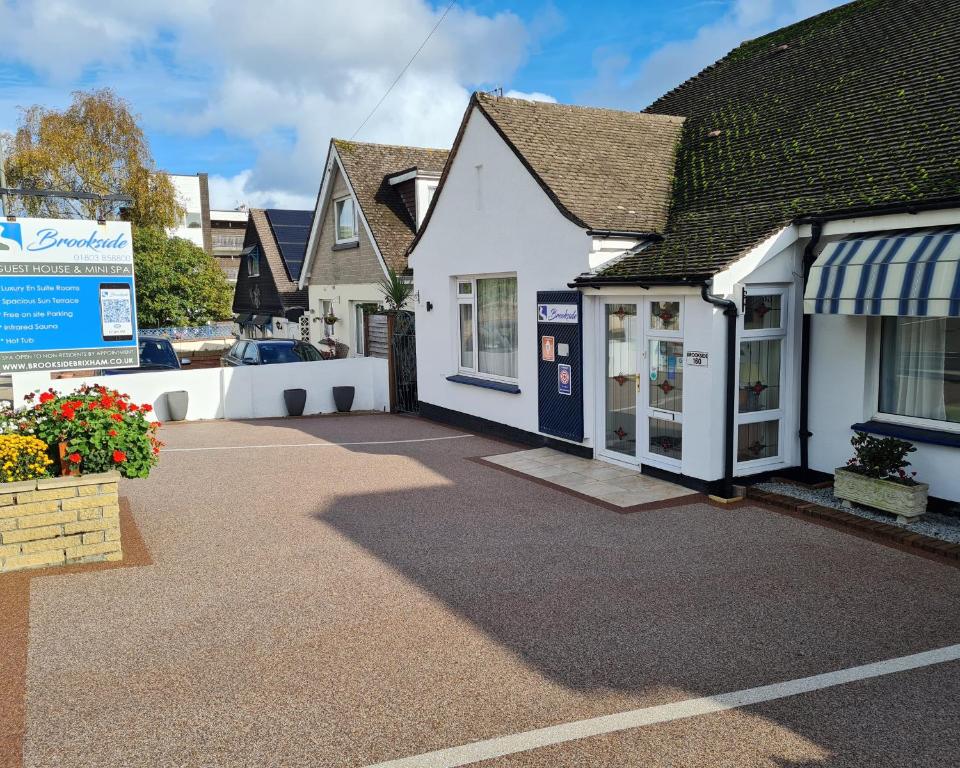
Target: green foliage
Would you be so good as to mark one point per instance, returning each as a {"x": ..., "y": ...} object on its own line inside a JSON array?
[
  {"x": 881, "y": 457},
  {"x": 96, "y": 146},
  {"x": 396, "y": 289},
  {"x": 101, "y": 427},
  {"x": 178, "y": 283}
]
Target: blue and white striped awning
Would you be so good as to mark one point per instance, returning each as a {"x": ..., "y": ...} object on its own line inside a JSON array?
[{"x": 907, "y": 272}]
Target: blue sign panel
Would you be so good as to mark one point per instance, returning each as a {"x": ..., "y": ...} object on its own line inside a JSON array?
[
  {"x": 67, "y": 298},
  {"x": 560, "y": 363}
]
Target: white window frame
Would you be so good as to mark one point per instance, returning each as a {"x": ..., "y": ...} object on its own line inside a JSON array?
[
  {"x": 253, "y": 258},
  {"x": 471, "y": 298},
  {"x": 786, "y": 371},
  {"x": 875, "y": 341},
  {"x": 336, "y": 221}
]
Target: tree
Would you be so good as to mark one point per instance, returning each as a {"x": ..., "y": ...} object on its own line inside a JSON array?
[
  {"x": 178, "y": 283},
  {"x": 94, "y": 146}
]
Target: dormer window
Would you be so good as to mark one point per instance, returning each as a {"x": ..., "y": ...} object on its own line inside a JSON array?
[{"x": 345, "y": 218}]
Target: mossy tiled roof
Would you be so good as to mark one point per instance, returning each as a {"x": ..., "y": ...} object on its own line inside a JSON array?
[
  {"x": 369, "y": 166},
  {"x": 856, "y": 108},
  {"x": 605, "y": 169}
]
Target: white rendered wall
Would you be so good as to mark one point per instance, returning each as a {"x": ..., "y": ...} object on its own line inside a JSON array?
[
  {"x": 247, "y": 392},
  {"x": 344, "y": 298},
  {"x": 495, "y": 219}
]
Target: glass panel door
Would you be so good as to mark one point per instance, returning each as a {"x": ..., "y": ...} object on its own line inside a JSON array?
[
  {"x": 664, "y": 399},
  {"x": 621, "y": 334}
]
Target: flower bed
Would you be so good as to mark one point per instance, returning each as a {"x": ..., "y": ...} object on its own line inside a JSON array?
[{"x": 90, "y": 438}]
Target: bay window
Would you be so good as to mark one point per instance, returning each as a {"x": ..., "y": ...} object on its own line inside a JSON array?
[
  {"x": 487, "y": 320},
  {"x": 920, "y": 370}
]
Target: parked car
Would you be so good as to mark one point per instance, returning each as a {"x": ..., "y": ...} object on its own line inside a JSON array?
[
  {"x": 269, "y": 352},
  {"x": 156, "y": 354}
]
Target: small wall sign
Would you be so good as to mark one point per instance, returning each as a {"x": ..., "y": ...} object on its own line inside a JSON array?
[
  {"x": 564, "y": 379},
  {"x": 558, "y": 313},
  {"x": 698, "y": 359},
  {"x": 548, "y": 348}
]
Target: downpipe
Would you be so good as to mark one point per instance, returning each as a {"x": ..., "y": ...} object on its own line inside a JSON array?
[
  {"x": 729, "y": 308},
  {"x": 804, "y": 433}
]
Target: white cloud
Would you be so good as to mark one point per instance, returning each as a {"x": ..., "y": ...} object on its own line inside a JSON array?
[
  {"x": 531, "y": 96},
  {"x": 284, "y": 76},
  {"x": 636, "y": 84},
  {"x": 227, "y": 192}
]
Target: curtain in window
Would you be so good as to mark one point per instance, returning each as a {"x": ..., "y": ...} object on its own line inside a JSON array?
[
  {"x": 497, "y": 326},
  {"x": 912, "y": 370}
]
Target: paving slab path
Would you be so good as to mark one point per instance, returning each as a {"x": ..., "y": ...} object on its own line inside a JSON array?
[{"x": 310, "y": 603}]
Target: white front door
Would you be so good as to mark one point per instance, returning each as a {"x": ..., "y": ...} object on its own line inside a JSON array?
[{"x": 642, "y": 416}]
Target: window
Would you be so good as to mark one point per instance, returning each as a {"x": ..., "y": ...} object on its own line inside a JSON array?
[
  {"x": 326, "y": 310},
  {"x": 759, "y": 400},
  {"x": 253, "y": 263},
  {"x": 250, "y": 356},
  {"x": 345, "y": 218},
  {"x": 920, "y": 368},
  {"x": 487, "y": 315}
]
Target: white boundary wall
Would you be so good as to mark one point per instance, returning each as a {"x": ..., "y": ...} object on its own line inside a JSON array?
[{"x": 247, "y": 392}]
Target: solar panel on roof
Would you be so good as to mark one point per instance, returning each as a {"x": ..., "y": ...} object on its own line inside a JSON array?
[{"x": 291, "y": 230}]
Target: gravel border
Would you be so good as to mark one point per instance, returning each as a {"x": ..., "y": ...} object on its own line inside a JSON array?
[{"x": 931, "y": 524}]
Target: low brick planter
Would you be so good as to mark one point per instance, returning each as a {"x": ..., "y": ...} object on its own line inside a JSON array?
[{"x": 59, "y": 520}]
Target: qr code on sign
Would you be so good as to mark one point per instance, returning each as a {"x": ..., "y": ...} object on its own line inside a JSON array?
[{"x": 116, "y": 311}]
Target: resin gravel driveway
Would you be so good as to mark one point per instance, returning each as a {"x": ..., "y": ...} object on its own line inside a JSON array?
[{"x": 345, "y": 591}]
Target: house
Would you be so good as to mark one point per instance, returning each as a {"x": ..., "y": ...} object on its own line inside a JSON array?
[
  {"x": 725, "y": 285},
  {"x": 193, "y": 194},
  {"x": 267, "y": 301},
  {"x": 227, "y": 231},
  {"x": 371, "y": 201}
]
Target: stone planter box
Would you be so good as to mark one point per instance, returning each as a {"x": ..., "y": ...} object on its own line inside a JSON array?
[
  {"x": 60, "y": 520},
  {"x": 907, "y": 502}
]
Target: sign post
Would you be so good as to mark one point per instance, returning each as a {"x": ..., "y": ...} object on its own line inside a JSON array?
[{"x": 67, "y": 295}]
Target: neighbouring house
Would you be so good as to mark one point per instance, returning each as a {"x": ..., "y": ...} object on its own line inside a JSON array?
[
  {"x": 193, "y": 193},
  {"x": 372, "y": 200},
  {"x": 267, "y": 301},
  {"x": 227, "y": 231},
  {"x": 725, "y": 285}
]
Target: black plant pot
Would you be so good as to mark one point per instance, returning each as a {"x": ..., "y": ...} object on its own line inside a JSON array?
[
  {"x": 343, "y": 397},
  {"x": 295, "y": 399},
  {"x": 177, "y": 403}
]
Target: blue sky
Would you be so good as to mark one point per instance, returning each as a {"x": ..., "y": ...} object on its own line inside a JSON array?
[{"x": 251, "y": 92}]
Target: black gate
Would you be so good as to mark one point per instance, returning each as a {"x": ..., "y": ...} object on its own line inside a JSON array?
[{"x": 403, "y": 362}]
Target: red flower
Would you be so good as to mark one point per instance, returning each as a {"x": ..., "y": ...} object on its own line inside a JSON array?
[
  {"x": 46, "y": 397},
  {"x": 156, "y": 449},
  {"x": 74, "y": 457},
  {"x": 154, "y": 425},
  {"x": 133, "y": 408},
  {"x": 116, "y": 416},
  {"x": 106, "y": 401},
  {"x": 121, "y": 406},
  {"x": 146, "y": 407},
  {"x": 112, "y": 433},
  {"x": 92, "y": 405},
  {"x": 68, "y": 413},
  {"x": 119, "y": 457}
]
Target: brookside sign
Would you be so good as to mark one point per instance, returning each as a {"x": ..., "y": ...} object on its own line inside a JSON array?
[
  {"x": 67, "y": 298},
  {"x": 558, "y": 313}
]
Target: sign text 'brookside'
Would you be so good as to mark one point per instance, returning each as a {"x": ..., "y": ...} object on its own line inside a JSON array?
[{"x": 49, "y": 238}]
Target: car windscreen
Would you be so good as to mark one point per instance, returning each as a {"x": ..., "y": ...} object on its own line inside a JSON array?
[
  {"x": 278, "y": 353},
  {"x": 157, "y": 353}
]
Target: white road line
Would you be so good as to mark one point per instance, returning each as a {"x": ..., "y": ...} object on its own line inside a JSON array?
[
  {"x": 310, "y": 445},
  {"x": 636, "y": 718}
]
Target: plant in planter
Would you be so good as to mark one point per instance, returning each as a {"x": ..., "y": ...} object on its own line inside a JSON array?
[
  {"x": 876, "y": 476},
  {"x": 330, "y": 319},
  {"x": 23, "y": 457},
  {"x": 94, "y": 429}
]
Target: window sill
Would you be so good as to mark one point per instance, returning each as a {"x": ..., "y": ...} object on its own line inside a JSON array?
[
  {"x": 346, "y": 246},
  {"x": 913, "y": 434},
  {"x": 474, "y": 381}
]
